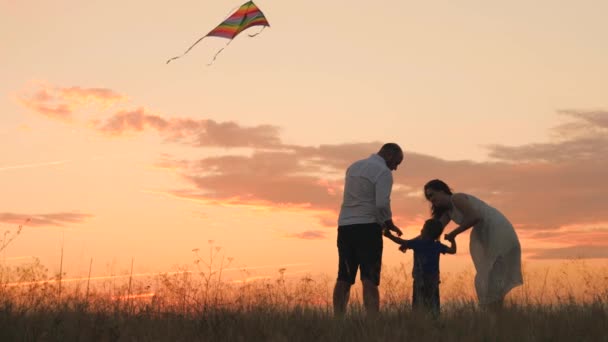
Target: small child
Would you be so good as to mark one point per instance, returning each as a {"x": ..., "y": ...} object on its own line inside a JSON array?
[{"x": 426, "y": 264}]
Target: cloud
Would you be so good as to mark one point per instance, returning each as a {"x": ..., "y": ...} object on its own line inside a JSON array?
[
  {"x": 595, "y": 119},
  {"x": 584, "y": 139},
  {"x": 539, "y": 187},
  {"x": 132, "y": 121},
  {"x": 224, "y": 134},
  {"x": 33, "y": 165},
  {"x": 39, "y": 220},
  {"x": 62, "y": 103},
  {"x": 573, "y": 252},
  {"x": 61, "y": 111},
  {"x": 327, "y": 219},
  {"x": 272, "y": 178},
  {"x": 198, "y": 133},
  {"x": 577, "y": 235},
  {"x": 309, "y": 235},
  {"x": 535, "y": 195},
  {"x": 86, "y": 95}
]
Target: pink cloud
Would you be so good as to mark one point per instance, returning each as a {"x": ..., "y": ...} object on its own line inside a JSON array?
[
  {"x": 585, "y": 138},
  {"x": 573, "y": 236},
  {"x": 573, "y": 252},
  {"x": 540, "y": 187},
  {"x": 39, "y": 220},
  {"x": 61, "y": 103},
  {"x": 224, "y": 134},
  {"x": 198, "y": 133},
  {"x": 536, "y": 185},
  {"x": 39, "y": 103},
  {"x": 102, "y": 95},
  {"x": 309, "y": 235},
  {"x": 327, "y": 219},
  {"x": 132, "y": 121},
  {"x": 597, "y": 118},
  {"x": 277, "y": 178},
  {"x": 64, "y": 103}
]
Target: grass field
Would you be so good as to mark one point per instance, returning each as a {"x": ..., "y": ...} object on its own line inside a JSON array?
[{"x": 569, "y": 303}]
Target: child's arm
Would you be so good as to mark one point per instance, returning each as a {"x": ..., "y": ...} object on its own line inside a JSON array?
[
  {"x": 452, "y": 248},
  {"x": 402, "y": 242}
]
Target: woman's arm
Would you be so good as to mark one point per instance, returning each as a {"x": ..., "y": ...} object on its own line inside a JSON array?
[
  {"x": 470, "y": 216},
  {"x": 445, "y": 219},
  {"x": 452, "y": 248}
]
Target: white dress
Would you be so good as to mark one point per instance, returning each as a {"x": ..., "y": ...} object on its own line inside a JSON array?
[{"x": 495, "y": 251}]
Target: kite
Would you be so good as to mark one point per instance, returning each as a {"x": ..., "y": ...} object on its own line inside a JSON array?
[{"x": 246, "y": 16}]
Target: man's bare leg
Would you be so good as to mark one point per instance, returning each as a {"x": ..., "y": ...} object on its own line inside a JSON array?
[
  {"x": 371, "y": 297},
  {"x": 341, "y": 295}
]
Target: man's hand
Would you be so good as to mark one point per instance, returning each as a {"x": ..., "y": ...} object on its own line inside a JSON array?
[
  {"x": 391, "y": 226},
  {"x": 396, "y": 230},
  {"x": 386, "y": 232}
]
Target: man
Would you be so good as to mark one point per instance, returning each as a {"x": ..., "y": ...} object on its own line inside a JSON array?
[{"x": 365, "y": 211}]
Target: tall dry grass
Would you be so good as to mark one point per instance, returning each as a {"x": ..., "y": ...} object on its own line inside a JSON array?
[{"x": 568, "y": 303}]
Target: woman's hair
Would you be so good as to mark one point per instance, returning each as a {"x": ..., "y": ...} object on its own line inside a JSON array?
[{"x": 437, "y": 185}]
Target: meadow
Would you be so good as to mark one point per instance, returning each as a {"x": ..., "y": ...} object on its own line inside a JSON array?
[{"x": 567, "y": 303}]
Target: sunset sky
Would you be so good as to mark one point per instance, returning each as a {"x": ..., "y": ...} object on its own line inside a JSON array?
[{"x": 117, "y": 156}]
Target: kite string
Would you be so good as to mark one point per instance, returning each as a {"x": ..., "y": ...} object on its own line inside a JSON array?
[
  {"x": 217, "y": 53},
  {"x": 255, "y": 34},
  {"x": 190, "y": 48},
  {"x": 222, "y": 49}
]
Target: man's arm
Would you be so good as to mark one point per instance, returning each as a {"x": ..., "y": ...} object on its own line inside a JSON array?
[
  {"x": 384, "y": 186},
  {"x": 391, "y": 226},
  {"x": 393, "y": 238}
]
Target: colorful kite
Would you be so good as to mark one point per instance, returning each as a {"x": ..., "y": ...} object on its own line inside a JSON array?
[{"x": 246, "y": 16}]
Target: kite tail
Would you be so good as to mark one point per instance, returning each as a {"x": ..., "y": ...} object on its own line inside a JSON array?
[
  {"x": 217, "y": 53},
  {"x": 255, "y": 34},
  {"x": 190, "y": 48},
  {"x": 176, "y": 57}
]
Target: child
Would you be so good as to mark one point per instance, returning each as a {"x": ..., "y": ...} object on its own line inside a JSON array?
[{"x": 426, "y": 264}]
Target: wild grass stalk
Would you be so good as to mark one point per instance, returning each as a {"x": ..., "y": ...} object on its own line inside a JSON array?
[{"x": 200, "y": 305}]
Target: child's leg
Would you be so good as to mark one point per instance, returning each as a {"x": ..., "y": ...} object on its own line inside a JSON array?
[
  {"x": 435, "y": 303},
  {"x": 418, "y": 303},
  {"x": 430, "y": 295}
]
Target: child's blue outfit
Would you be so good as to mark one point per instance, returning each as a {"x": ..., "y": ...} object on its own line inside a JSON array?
[{"x": 426, "y": 273}]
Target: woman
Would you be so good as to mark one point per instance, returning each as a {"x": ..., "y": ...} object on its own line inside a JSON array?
[{"x": 494, "y": 245}]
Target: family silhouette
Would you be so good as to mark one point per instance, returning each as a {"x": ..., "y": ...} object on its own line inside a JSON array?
[{"x": 366, "y": 216}]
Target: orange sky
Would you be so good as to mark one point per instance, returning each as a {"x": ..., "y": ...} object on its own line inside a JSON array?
[{"x": 115, "y": 155}]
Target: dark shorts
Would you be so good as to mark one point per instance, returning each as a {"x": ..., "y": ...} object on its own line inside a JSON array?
[{"x": 360, "y": 245}]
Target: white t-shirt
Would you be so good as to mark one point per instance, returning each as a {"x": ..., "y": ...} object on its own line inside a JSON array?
[{"x": 367, "y": 192}]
